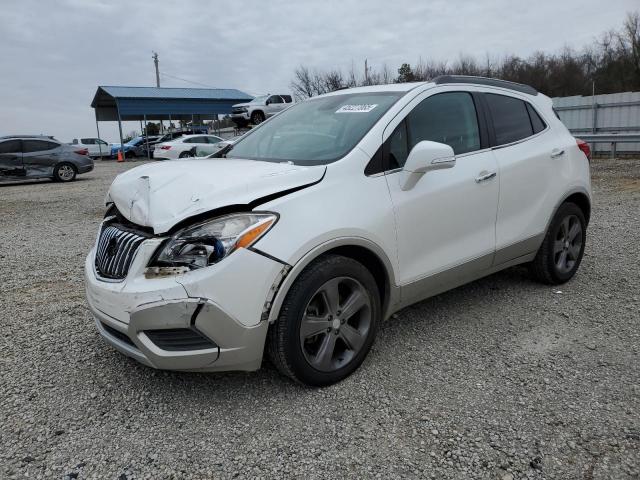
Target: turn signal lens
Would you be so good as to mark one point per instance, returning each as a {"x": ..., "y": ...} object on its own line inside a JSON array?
[{"x": 250, "y": 236}]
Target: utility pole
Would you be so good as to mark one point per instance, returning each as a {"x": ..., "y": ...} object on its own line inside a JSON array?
[
  {"x": 155, "y": 61},
  {"x": 366, "y": 72}
]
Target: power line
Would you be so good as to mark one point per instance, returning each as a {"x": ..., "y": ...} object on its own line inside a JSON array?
[{"x": 185, "y": 80}]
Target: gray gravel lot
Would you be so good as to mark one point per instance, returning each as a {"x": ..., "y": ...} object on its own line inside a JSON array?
[{"x": 502, "y": 379}]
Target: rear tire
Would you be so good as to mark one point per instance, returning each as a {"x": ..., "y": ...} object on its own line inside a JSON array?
[
  {"x": 64, "y": 172},
  {"x": 327, "y": 323},
  {"x": 186, "y": 154},
  {"x": 562, "y": 249}
]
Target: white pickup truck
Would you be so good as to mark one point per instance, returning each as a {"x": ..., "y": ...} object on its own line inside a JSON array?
[
  {"x": 259, "y": 109},
  {"x": 96, "y": 147}
]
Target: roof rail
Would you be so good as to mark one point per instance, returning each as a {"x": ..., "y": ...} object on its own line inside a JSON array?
[{"x": 490, "y": 82}]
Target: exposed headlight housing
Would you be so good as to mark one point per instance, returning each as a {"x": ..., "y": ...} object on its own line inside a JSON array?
[{"x": 209, "y": 242}]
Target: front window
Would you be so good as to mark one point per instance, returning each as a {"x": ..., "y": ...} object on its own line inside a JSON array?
[
  {"x": 317, "y": 131},
  {"x": 260, "y": 99}
]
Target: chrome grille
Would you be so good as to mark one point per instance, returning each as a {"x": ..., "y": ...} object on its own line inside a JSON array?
[{"x": 115, "y": 251}]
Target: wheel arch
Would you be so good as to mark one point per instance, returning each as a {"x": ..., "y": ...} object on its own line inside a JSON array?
[
  {"x": 582, "y": 200},
  {"x": 360, "y": 249}
]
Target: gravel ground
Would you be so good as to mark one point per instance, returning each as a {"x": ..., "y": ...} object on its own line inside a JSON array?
[{"x": 502, "y": 379}]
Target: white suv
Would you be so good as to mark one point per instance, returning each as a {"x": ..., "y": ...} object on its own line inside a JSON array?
[
  {"x": 322, "y": 222},
  {"x": 259, "y": 109}
]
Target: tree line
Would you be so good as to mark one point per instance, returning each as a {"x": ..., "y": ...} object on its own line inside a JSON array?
[{"x": 611, "y": 64}]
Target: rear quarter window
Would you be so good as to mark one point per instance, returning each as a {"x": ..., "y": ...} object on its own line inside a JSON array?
[
  {"x": 536, "y": 122},
  {"x": 510, "y": 118}
]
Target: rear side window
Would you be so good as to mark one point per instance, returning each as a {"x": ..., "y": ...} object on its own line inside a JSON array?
[
  {"x": 10, "y": 146},
  {"x": 287, "y": 98},
  {"x": 536, "y": 122},
  {"x": 31, "y": 146},
  {"x": 510, "y": 118}
]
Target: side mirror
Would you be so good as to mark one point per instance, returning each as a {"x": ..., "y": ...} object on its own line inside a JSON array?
[{"x": 424, "y": 157}]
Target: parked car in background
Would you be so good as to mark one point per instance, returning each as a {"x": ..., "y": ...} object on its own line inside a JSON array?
[
  {"x": 31, "y": 157},
  {"x": 183, "y": 147},
  {"x": 259, "y": 109},
  {"x": 327, "y": 219},
  {"x": 96, "y": 147},
  {"x": 210, "y": 150},
  {"x": 141, "y": 149},
  {"x": 129, "y": 149}
]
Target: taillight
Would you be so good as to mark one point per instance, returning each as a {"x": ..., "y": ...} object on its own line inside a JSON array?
[
  {"x": 82, "y": 151},
  {"x": 584, "y": 146},
  {"x": 165, "y": 147}
]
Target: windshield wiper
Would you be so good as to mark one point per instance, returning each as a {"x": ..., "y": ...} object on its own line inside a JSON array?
[{"x": 222, "y": 153}]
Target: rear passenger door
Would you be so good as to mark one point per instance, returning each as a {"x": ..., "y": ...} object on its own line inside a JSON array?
[
  {"x": 446, "y": 223},
  {"x": 11, "y": 159},
  {"x": 39, "y": 157},
  {"x": 525, "y": 151}
]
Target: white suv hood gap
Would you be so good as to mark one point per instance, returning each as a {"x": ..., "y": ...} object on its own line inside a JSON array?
[{"x": 160, "y": 195}]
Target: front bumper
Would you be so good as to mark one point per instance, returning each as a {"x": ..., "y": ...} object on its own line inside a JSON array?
[
  {"x": 224, "y": 303},
  {"x": 240, "y": 118}
]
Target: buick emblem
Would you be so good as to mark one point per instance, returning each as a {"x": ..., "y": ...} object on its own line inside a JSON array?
[{"x": 112, "y": 247}]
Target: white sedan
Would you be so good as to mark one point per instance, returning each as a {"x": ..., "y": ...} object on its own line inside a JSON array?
[{"x": 183, "y": 147}]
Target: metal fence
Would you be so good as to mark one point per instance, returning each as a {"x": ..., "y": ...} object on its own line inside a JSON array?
[{"x": 615, "y": 113}]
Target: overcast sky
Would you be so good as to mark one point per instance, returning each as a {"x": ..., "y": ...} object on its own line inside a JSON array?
[{"x": 56, "y": 53}]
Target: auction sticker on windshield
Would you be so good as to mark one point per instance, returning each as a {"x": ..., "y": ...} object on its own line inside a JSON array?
[{"x": 365, "y": 108}]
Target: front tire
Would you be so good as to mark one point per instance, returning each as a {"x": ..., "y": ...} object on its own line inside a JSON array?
[
  {"x": 562, "y": 249},
  {"x": 257, "y": 118},
  {"x": 327, "y": 323},
  {"x": 64, "y": 172}
]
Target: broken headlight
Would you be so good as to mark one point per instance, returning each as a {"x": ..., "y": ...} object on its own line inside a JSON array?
[{"x": 209, "y": 242}]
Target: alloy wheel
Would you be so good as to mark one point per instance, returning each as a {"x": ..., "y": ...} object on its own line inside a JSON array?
[
  {"x": 66, "y": 173},
  {"x": 335, "y": 324},
  {"x": 567, "y": 244}
]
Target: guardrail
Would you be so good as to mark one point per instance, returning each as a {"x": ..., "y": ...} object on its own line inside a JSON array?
[{"x": 611, "y": 138}]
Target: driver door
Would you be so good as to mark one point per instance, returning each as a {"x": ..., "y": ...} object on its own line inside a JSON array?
[
  {"x": 275, "y": 104},
  {"x": 446, "y": 222}
]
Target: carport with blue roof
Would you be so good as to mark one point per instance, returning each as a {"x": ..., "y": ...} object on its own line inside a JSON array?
[{"x": 120, "y": 103}]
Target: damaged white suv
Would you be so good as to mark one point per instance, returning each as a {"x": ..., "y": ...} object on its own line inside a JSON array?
[{"x": 320, "y": 223}]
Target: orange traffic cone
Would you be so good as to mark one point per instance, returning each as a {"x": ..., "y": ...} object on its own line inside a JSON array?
[{"x": 120, "y": 158}]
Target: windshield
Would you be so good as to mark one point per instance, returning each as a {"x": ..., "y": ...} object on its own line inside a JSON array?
[
  {"x": 317, "y": 131},
  {"x": 259, "y": 99}
]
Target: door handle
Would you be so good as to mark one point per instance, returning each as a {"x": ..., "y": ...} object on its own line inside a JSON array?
[
  {"x": 483, "y": 177},
  {"x": 556, "y": 152}
]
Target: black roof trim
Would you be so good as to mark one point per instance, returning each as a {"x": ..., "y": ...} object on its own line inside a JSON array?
[
  {"x": 490, "y": 82},
  {"x": 37, "y": 137}
]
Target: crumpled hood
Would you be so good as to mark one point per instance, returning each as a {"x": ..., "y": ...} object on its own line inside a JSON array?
[{"x": 159, "y": 195}]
